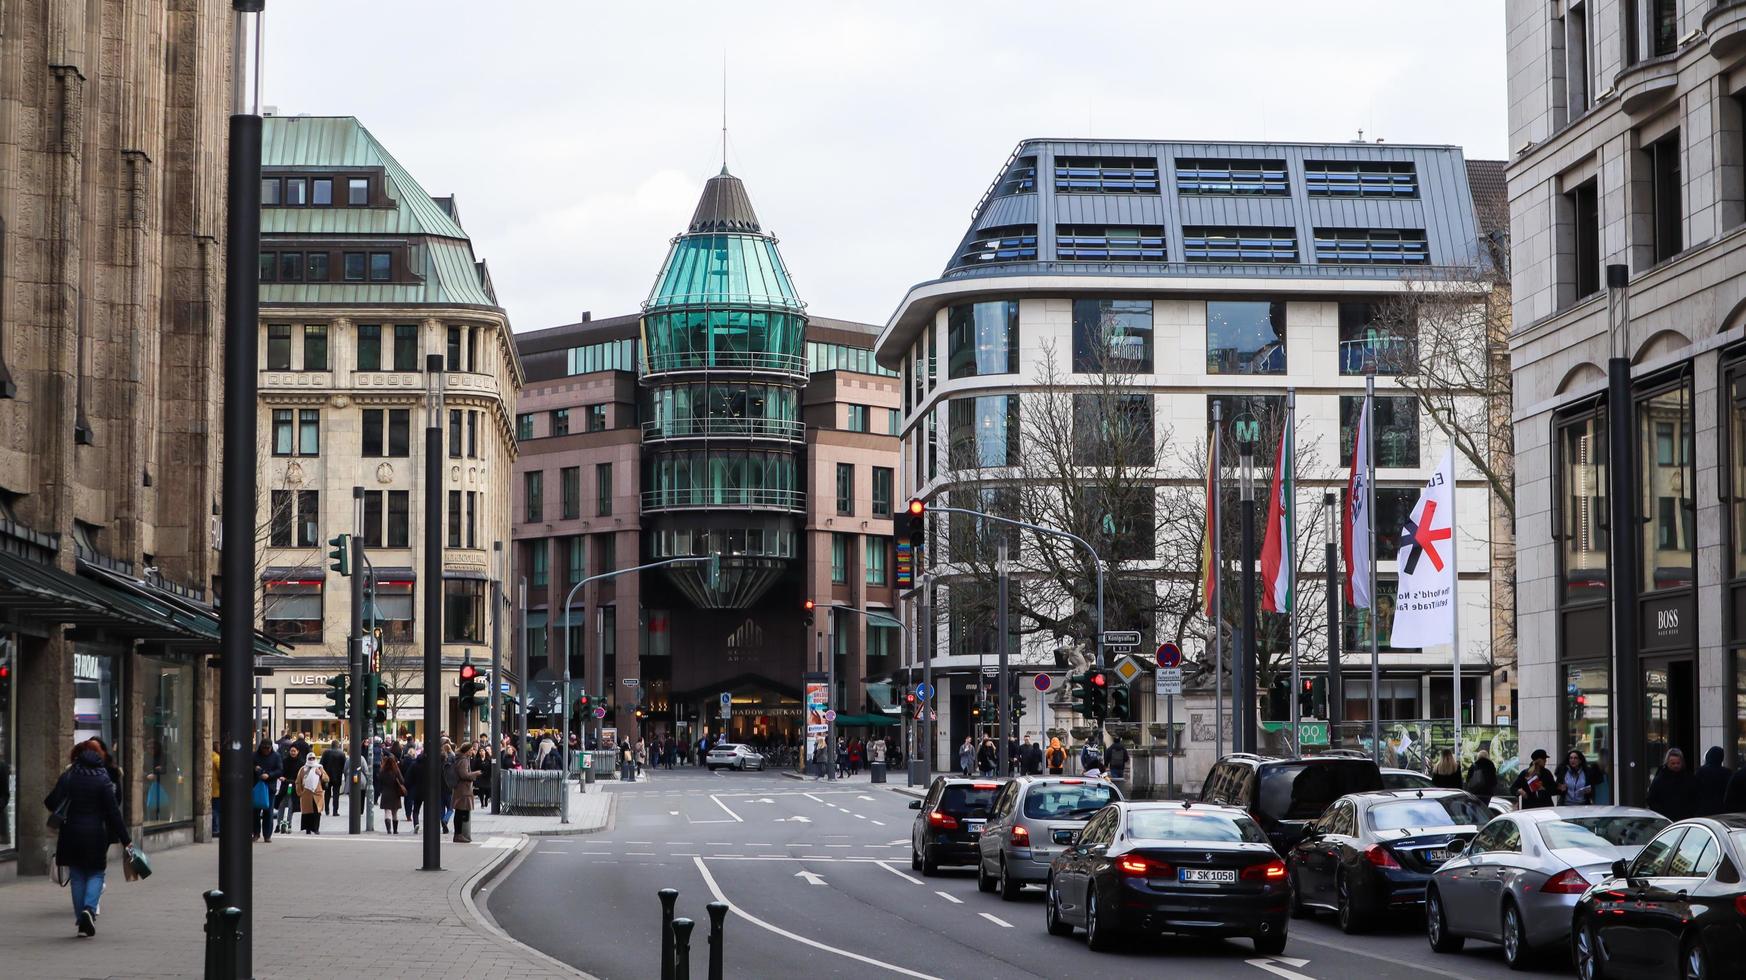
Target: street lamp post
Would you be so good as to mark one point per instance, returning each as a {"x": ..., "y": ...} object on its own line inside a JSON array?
[
  {"x": 1627, "y": 702},
  {"x": 1243, "y": 676},
  {"x": 433, "y": 613},
  {"x": 1331, "y": 566}
]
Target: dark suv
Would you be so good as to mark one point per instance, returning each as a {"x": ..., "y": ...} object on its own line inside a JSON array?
[
  {"x": 949, "y": 825},
  {"x": 1285, "y": 795}
]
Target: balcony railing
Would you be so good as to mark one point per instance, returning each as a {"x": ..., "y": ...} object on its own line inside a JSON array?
[
  {"x": 1394, "y": 355},
  {"x": 785, "y": 430},
  {"x": 694, "y": 498},
  {"x": 794, "y": 364}
]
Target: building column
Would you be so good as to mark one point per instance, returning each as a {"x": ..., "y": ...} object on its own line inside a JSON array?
[
  {"x": 855, "y": 650},
  {"x": 45, "y": 677}
]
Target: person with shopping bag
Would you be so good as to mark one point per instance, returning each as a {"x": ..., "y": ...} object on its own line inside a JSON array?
[
  {"x": 84, "y": 810},
  {"x": 269, "y": 769}
]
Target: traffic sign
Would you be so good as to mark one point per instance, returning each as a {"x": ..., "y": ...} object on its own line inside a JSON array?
[
  {"x": 990, "y": 671},
  {"x": 599, "y": 711},
  {"x": 1169, "y": 681},
  {"x": 726, "y": 699},
  {"x": 1127, "y": 669},
  {"x": 1121, "y": 639},
  {"x": 629, "y": 682},
  {"x": 830, "y": 715},
  {"x": 1169, "y": 654},
  {"x": 924, "y": 690},
  {"x": 503, "y": 687},
  {"x": 1042, "y": 682}
]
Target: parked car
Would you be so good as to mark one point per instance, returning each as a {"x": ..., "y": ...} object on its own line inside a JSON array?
[
  {"x": 1373, "y": 852},
  {"x": 1033, "y": 819},
  {"x": 1678, "y": 909},
  {"x": 1284, "y": 795},
  {"x": 733, "y": 756},
  {"x": 1519, "y": 878},
  {"x": 949, "y": 822},
  {"x": 1405, "y": 779},
  {"x": 1159, "y": 867}
]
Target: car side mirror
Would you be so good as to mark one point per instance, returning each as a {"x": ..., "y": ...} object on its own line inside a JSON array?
[
  {"x": 1073, "y": 838},
  {"x": 1621, "y": 869},
  {"x": 915, "y": 804}
]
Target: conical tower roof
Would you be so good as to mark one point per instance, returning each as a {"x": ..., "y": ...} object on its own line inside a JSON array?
[
  {"x": 724, "y": 206},
  {"x": 724, "y": 259}
]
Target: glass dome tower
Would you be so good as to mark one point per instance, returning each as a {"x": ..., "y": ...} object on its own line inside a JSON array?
[{"x": 723, "y": 367}]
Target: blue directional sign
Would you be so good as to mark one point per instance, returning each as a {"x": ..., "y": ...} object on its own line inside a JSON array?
[
  {"x": 1169, "y": 655},
  {"x": 925, "y": 691}
]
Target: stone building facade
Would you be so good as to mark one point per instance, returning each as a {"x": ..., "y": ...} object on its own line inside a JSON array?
[{"x": 112, "y": 190}]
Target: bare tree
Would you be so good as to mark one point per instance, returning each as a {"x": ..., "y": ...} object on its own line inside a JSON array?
[{"x": 401, "y": 664}]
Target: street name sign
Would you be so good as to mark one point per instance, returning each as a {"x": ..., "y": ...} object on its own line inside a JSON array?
[{"x": 1121, "y": 639}]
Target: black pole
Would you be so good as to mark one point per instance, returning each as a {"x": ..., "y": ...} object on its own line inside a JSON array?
[
  {"x": 1243, "y": 674},
  {"x": 494, "y": 693},
  {"x": 1005, "y": 699},
  {"x": 433, "y": 618},
  {"x": 242, "y": 304},
  {"x": 682, "y": 948},
  {"x": 668, "y": 897},
  {"x": 1335, "y": 693},
  {"x": 1627, "y": 708},
  {"x": 355, "y": 786},
  {"x": 717, "y": 914}
]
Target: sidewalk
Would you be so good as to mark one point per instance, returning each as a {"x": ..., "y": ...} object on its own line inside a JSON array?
[
  {"x": 896, "y": 780},
  {"x": 327, "y": 906}
]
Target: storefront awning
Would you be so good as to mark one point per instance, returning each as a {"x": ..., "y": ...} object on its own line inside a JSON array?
[
  {"x": 467, "y": 573},
  {"x": 280, "y": 573},
  {"x": 193, "y": 622}
]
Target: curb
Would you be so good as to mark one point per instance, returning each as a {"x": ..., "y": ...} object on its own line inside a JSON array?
[
  {"x": 481, "y": 917},
  {"x": 563, "y": 831}
]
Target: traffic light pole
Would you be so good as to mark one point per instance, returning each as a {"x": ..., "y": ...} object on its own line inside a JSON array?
[
  {"x": 1243, "y": 672},
  {"x": 433, "y": 616},
  {"x": 1003, "y": 754},
  {"x": 1334, "y": 690},
  {"x": 494, "y": 692},
  {"x": 359, "y": 710}
]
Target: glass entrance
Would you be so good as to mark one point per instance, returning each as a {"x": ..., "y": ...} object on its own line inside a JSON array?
[{"x": 1670, "y": 713}]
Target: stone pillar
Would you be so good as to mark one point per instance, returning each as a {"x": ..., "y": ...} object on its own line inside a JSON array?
[{"x": 45, "y": 677}]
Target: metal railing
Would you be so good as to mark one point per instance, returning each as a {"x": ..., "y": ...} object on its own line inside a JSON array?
[
  {"x": 532, "y": 791},
  {"x": 787, "y": 430},
  {"x": 725, "y": 360},
  {"x": 700, "y": 497},
  {"x": 1270, "y": 270}
]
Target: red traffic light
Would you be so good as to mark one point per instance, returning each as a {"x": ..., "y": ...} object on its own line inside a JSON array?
[
  {"x": 468, "y": 672},
  {"x": 1099, "y": 679},
  {"x": 917, "y": 507},
  {"x": 910, "y": 697},
  {"x": 809, "y": 605}
]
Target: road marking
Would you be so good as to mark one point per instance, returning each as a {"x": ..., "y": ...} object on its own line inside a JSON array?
[
  {"x": 879, "y": 823},
  {"x": 794, "y": 819},
  {"x": 839, "y": 845},
  {"x": 1271, "y": 965},
  {"x": 685, "y": 854},
  {"x": 639, "y": 842},
  {"x": 997, "y": 920},
  {"x": 810, "y": 877},
  {"x": 725, "y": 809},
  {"x": 864, "y": 796},
  {"x": 913, "y": 881},
  {"x": 859, "y": 817},
  {"x": 639, "y": 854},
  {"x": 673, "y": 812},
  {"x": 901, "y": 840},
  {"x": 715, "y": 890},
  {"x": 816, "y": 799},
  {"x": 1360, "y": 950},
  {"x": 948, "y": 896}
]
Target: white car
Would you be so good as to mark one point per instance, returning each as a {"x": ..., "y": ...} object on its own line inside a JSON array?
[{"x": 728, "y": 756}]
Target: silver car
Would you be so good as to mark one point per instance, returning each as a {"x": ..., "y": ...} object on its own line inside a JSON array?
[
  {"x": 1517, "y": 882},
  {"x": 1033, "y": 819}
]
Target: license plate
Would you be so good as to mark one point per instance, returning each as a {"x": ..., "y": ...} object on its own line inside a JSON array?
[
  {"x": 974, "y": 826},
  {"x": 1063, "y": 836},
  {"x": 1208, "y": 876},
  {"x": 1436, "y": 856}
]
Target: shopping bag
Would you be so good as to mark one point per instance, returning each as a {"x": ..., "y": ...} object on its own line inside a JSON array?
[{"x": 136, "y": 865}]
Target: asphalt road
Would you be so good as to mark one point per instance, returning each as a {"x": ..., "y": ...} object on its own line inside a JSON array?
[{"x": 818, "y": 878}]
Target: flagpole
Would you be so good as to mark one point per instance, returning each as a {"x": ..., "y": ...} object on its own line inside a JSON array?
[
  {"x": 1455, "y": 597},
  {"x": 1217, "y": 587},
  {"x": 1290, "y": 543},
  {"x": 1370, "y": 545}
]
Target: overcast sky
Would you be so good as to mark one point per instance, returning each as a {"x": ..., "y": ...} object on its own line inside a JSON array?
[{"x": 577, "y": 136}]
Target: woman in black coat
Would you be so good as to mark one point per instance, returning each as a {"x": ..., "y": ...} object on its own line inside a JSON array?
[
  {"x": 1673, "y": 791},
  {"x": 269, "y": 772},
  {"x": 1710, "y": 785},
  {"x": 92, "y": 819}
]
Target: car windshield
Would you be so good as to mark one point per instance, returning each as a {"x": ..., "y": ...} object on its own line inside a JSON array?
[
  {"x": 1600, "y": 831},
  {"x": 968, "y": 800},
  {"x": 1433, "y": 811},
  {"x": 1301, "y": 791},
  {"x": 1174, "y": 824},
  {"x": 1066, "y": 801}
]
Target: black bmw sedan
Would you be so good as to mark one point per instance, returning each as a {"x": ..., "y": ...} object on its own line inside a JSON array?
[
  {"x": 1169, "y": 867},
  {"x": 1678, "y": 909}
]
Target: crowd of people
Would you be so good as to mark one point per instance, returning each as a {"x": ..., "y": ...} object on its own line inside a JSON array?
[
  {"x": 1676, "y": 791},
  {"x": 1028, "y": 756}
]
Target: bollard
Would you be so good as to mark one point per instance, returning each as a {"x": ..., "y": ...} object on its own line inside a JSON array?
[
  {"x": 717, "y": 913},
  {"x": 668, "y": 897},
  {"x": 232, "y": 935},
  {"x": 214, "y": 935},
  {"x": 682, "y": 948}
]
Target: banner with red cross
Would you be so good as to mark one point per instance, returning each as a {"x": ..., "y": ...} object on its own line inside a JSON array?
[{"x": 1424, "y": 612}]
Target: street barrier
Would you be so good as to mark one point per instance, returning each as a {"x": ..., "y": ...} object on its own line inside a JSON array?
[
  {"x": 676, "y": 938},
  {"x": 717, "y": 914},
  {"x": 682, "y": 948},
  {"x": 667, "y": 896},
  {"x": 223, "y": 933},
  {"x": 537, "y": 791}
]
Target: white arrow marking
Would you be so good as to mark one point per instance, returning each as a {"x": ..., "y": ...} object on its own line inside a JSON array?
[
  {"x": 1272, "y": 965},
  {"x": 765, "y": 799},
  {"x": 811, "y": 879}
]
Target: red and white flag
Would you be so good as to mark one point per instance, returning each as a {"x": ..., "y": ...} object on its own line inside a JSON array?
[
  {"x": 1276, "y": 557},
  {"x": 1424, "y": 607},
  {"x": 1357, "y": 531}
]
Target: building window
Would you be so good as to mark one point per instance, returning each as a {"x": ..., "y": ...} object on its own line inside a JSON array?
[
  {"x": 1581, "y": 506},
  {"x": 821, "y": 356},
  {"x": 463, "y": 610},
  {"x": 882, "y": 491},
  {"x": 280, "y": 518},
  {"x": 369, "y": 347},
  {"x": 575, "y": 557},
  {"x": 454, "y": 349},
  {"x": 560, "y": 421},
  {"x": 1250, "y": 177},
  {"x": 602, "y": 489},
  {"x": 358, "y": 191},
  {"x": 536, "y": 564},
  {"x": 296, "y": 191},
  {"x": 455, "y": 444},
  {"x": 315, "y": 347},
  {"x": 321, "y": 191},
  {"x": 1112, "y": 336},
  {"x": 284, "y": 434},
  {"x": 1113, "y": 430},
  {"x": 473, "y": 518},
  {"x": 1021, "y": 179},
  {"x": 317, "y": 267},
  {"x": 291, "y": 610},
  {"x": 876, "y": 549},
  {"x": 1110, "y": 243},
  {"x": 605, "y": 558},
  {"x": 845, "y": 489},
  {"x": 533, "y": 495},
  {"x": 1010, "y": 243},
  {"x": 352, "y": 265},
  {"x": 1665, "y": 498},
  {"x": 570, "y": 492},
  {"x": 982, "y": 339},
  {"x": 1576, "y": 76},
  {"x": 400, "y": 432},
  {"x": 1108, "y": 175},
  {"x": 394, "y": 603},
  {"x": 983, "y": 432},
  {"x": 371, "y": 435},
  {"x": 1579, "y": 272},
  {"x": 405, "y": 347},
  {"x": 857, "y": 418},
  {"x": 278, "y": 346},
  {"x": 454, "y": 518},
  {"x": 399, "y": 518},
  {"x": 373, "y": 518},
  {"x": 1230, "y": 244},
  {"x": 308, "y": 432},
  {"x": 1369, "y": 343},
  {"x": 608, "y": 355},
  {"x": 597, "y": 418},
  {"x": 269, "y": 265},
  {"x": 290, "y": 266},
  {"x": 1354, "y": 178},
  {"x": 893, "y": 422},
  {"x": 1664, "y": 26},
  {"x": 472, "y": 434},
  {"x": 1245, "y": 337},
  {"x": 839, "y": 558},
  {"x": 381, "y": 266},
  {"x": 1395, "y": 424},
  {"x": 524, "y": 426},
  {"x": 1372, "y": 246},
  {"x": 1667, "y": 215},
  {"x": 306, "y": 522},
  {"x": 269, "y": 191}
]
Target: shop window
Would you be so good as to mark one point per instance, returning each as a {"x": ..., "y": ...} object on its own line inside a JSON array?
[
  {"x": 463, "y": 610},
  {"x": 1665, "y": 498},
  {"x": 170, "y": 756},
  {"x": 292, "y": 611},
  {"x": 1580, "y": 475},
  {"x": 96, "y": 698},
  {"x": 1245, "y": 337},
  {"x": 1112, "y": 336}
]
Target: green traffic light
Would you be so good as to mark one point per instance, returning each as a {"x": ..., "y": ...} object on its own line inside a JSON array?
[{"x": 340, "y": 562}]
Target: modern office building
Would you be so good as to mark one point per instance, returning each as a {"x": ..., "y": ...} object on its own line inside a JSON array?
[
  {"x": 1629, "y": 127},
  {"x": 112, "y": 184},
  {"x": 721, "y": 420},
  {"x": 1108, "y": 294},
  {"x": 363, "y": 276}
]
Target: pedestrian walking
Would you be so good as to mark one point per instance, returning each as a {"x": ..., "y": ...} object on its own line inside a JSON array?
[
  {"x": 1673, "y": 791},
  {"x": 1091, "y": 759},
  {"x": 312, "y": 785},
  {"x": 1056, "y": 757},
  {"x": 269, "y": 769},
  {"x": 1117, "y": 758},
  {"x": 447, "y": 761},
  {"x": 333, "y": 762},
  {"x": 287, "y": 800},
  {"x": 465, "y": 775},
  {"x": 1482, "y": 776},
  {"x": 1711, "y": 789},
  {"x": 391, "y": 792},
  {"x": 1735, "y": 800},
  {"x": 987, "y": 758},
  {"x": 84, "y": 803},
  {"x": 414, "y": 778},
  {"x": 966, "y": 756},
  {"x": 482, "y": 784},
  {"x": 1577, "y": 779},
  {"x": 1533, "y": 786},
  {"x": 1447, "y": 770}
]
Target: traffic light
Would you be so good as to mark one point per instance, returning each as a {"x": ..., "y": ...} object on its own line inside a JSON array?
[
  {"x": 1119, "y": 707},
  {"x": 975, "y": 712},
  {"x": 383, "y": 694},
  {"x": 807, "y": 608},
  {"x": 1099, "y": 695},
  {"x": 584, "y": 703},
  {"x": 1079, "y": 686},
  {"x": 470, "y": 686},
  {"x": 917, "y": 512},
  {"x": 336, "y": 695},
  {"x": 341, "y": 545}
]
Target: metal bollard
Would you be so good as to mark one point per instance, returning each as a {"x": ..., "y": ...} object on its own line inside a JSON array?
[
  {"x": 232, "y": 936},
  {"x": 668, "y": 897},
  {"x": 682, "y": 948},
  {"x": 717, "y": 914},
  {"x": 214, "y": 935}
]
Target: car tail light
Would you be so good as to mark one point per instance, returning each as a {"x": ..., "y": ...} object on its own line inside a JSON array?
[
  {"x": 1140, "y": 867},
  {"x": 1380, "y": 856},
  {"x": 1071, "y": 782},
  {"x": 1740, "y": 905},
  {"x": 944, "y": 821},
  {"x": 1266, "y": 871},
  {"x": 1021, "y": 836},
  {"x": 1567, "y": 882},
  {"x": 984, "y": 785}
]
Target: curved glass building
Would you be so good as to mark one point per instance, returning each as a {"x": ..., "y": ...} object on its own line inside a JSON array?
[{"x": 724, "y": 364}]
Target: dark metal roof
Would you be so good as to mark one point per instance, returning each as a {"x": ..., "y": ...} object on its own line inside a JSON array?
[
  {"x": 1485, "y": 178},
  {"x": 724, "y": 207}
]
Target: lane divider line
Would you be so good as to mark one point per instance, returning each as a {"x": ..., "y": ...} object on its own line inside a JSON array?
[
  {"x": 948, "y": 896},
  {"x": 913, "y": 881},
  {"x": 725, "y": 809},
  {"x": 997, "y": 920}
]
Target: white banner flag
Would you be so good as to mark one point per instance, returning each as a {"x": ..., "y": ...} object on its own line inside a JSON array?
[
  {"x": 1424, "y": 606},
  {"x": 1357, "y": 538}
]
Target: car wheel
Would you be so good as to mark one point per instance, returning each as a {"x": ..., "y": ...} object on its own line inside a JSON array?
[
  {"x": 1098, "y": 938},
  {"x": 1052, "y": 919},
  {"x": 929, "y": 867},
  {"x": 1270, "y": 943},
  {"x": 1437, "y": 926},
  {"x": 984, "y": 880},
  {"x": 1694, "y": 963},
  {"x": 1298, "y": 909},
  {"x": 1585, "y": 951},
  {"x": 1008, "y": 886},
  {"x": 1515, "y": 937},
  {"x": 915, "y": 861},
  {"x": 1351, "y": 920}
]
